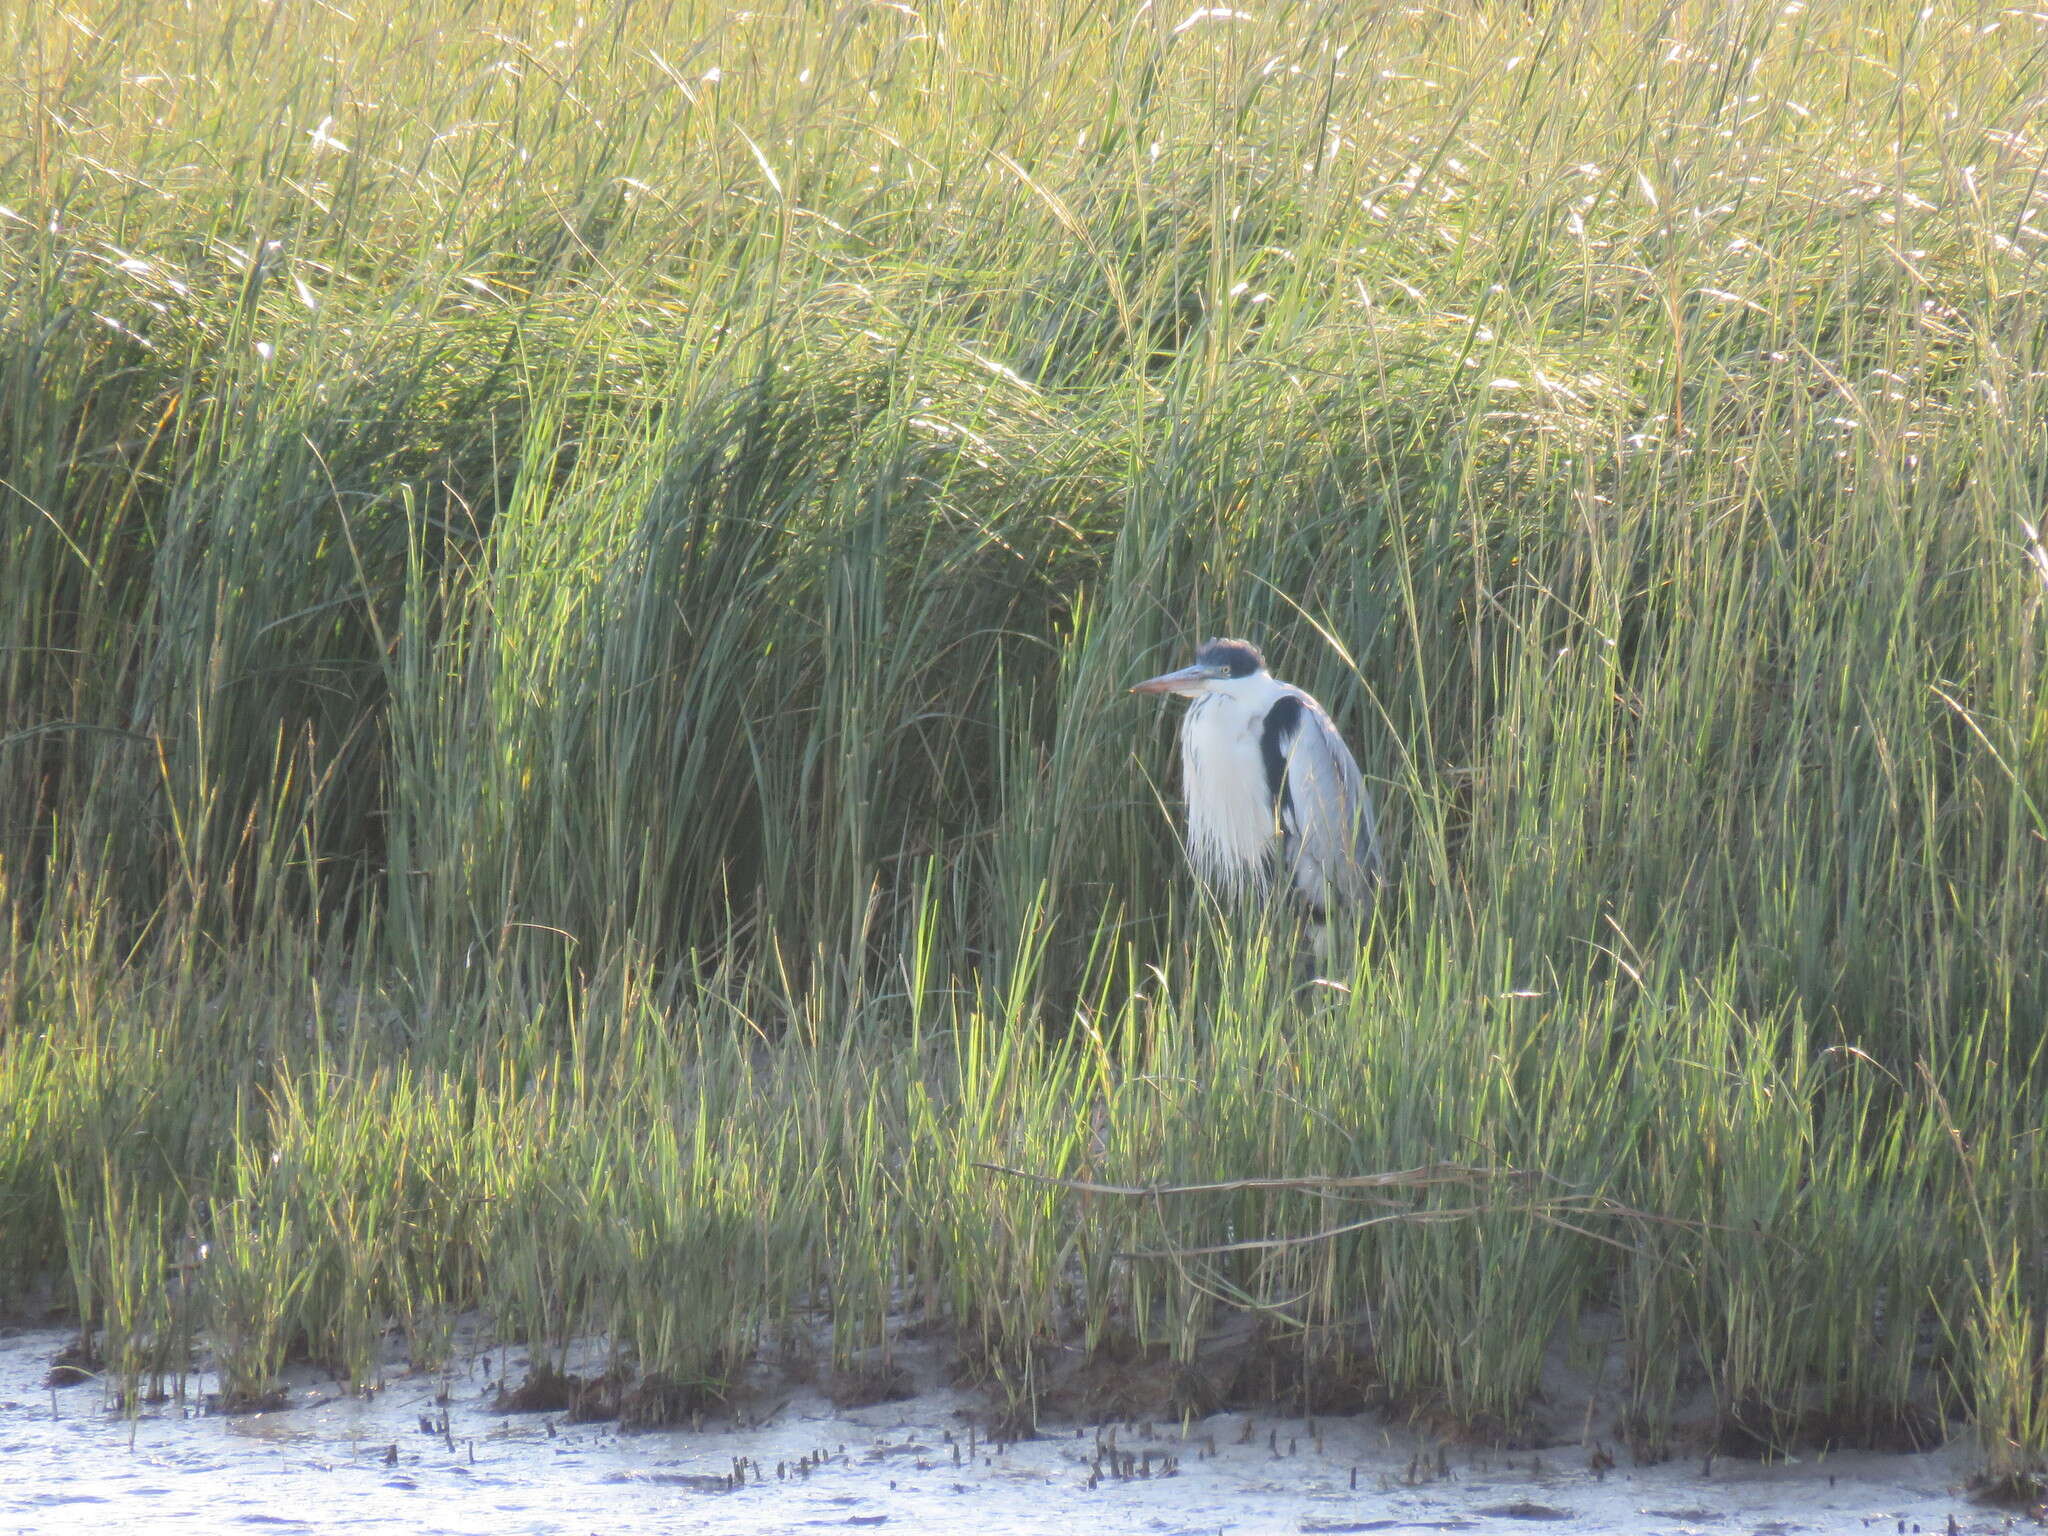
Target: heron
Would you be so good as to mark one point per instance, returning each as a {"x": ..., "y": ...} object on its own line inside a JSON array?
[{"x": 1270, "y": 782}]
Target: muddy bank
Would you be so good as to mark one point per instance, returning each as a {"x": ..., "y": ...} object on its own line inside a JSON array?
[{"x": 440, "y": 1453}]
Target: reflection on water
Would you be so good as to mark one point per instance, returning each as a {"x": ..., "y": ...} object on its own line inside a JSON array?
[{"x": 328, "y": 1462}]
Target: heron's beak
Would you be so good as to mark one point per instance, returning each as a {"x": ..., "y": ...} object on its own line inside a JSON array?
[{"x": 1186, "y": 680}]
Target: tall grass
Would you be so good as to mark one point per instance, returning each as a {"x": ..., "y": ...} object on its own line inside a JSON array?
[{"x": 568, "y": 582}]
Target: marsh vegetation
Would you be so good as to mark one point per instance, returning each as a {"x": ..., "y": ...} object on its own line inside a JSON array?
[{"x": 567, "y": 577}]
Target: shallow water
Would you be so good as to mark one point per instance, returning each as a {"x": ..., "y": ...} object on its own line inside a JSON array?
[{"x": 323, "y": 1463}]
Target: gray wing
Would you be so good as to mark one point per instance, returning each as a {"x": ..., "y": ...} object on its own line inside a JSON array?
[{"x": 1333, "y": 844}]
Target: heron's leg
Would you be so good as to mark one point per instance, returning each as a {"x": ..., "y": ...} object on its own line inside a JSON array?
[
  {"x": 1322, "y": 989},
  {"x": 1323, "y": 914}
]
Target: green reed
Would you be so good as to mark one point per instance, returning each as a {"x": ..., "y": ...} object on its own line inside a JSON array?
[{"x": 567, "y": 581}]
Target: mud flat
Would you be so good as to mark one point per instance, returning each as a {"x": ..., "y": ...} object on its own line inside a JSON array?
[{"x": 439, "y": 1454}]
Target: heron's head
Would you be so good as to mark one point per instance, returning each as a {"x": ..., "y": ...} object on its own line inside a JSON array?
[{"x": 1218, "y": 664}]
